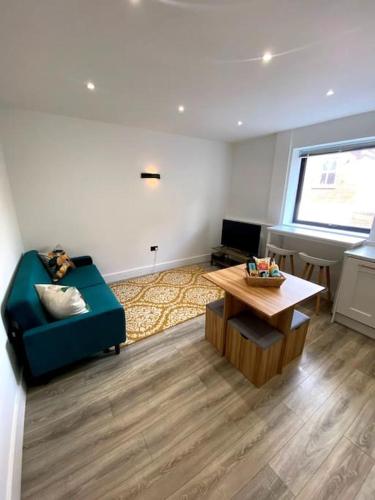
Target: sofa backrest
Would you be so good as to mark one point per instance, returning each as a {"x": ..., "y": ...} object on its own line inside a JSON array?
[{"x": 23, "y": 306}]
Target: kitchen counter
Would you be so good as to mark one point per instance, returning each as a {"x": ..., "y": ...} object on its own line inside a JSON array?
[
  {"x": 321, "y": 236},
  {"x": 364, "y": 252}
]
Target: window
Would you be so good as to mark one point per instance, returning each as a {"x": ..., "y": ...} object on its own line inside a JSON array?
[{"x": 337, "y": 189}]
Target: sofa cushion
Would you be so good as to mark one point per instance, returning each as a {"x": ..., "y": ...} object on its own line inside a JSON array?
[
  {"x": 62, "y": 301},
  {"x": 100, "y": 299},
  {"x": 68, "y": 340},
  {"x": 82, "y": 277},
  {"x": 23, "y": 305},
  {"x": 57, "y": 263}
]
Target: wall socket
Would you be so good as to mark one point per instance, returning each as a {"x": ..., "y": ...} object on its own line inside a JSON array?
[{"x": 154, "y": 248}]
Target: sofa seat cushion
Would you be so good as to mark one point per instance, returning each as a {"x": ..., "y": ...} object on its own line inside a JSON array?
[
  {"x": 66, "y": 341},
  {"x": 100, "y": 299},
  {"x": 82, "y": 277}
]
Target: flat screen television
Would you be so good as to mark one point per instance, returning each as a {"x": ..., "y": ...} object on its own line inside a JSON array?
[{"x": 241, "y": 236}]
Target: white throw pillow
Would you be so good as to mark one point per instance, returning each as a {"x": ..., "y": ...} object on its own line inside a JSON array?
[{"x": 61, "y": 301}]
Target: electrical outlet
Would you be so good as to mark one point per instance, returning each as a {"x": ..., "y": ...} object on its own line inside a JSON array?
[{"x": 154, "y": 248}]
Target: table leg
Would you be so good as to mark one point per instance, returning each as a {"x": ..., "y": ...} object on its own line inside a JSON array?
[
  {"x": 232, "y": 306},
  {"x": 283, "y": 322}
]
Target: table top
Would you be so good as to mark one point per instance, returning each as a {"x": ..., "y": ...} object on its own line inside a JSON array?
[
  {"x": 267, "y": 300},
  {"x": 338, "y": 239}
]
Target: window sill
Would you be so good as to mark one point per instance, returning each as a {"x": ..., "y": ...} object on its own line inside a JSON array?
[
  {"x": 355, "y": 234},
  {"x": 345, "y": 239}
]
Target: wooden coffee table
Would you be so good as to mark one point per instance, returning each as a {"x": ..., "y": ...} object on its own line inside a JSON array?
[{"x": 274, "y": 305}]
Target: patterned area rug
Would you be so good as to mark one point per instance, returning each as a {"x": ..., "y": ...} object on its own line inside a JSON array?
[{"x": 162, "y": 300}]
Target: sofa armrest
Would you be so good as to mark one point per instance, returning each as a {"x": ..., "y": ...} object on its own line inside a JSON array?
[{"x": 84, "y": 260}]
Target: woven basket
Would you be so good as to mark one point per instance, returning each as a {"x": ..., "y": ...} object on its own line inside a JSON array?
[{"x": 257, "y": 281}]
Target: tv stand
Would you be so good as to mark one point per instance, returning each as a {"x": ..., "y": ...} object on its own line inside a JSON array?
[{"x": 227, "y": 257}]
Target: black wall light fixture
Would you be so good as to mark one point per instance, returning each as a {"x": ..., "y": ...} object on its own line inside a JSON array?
[{"x": 147, "y": 175}]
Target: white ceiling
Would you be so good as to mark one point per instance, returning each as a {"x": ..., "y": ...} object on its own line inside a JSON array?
[{"x": 148, "y": 58}]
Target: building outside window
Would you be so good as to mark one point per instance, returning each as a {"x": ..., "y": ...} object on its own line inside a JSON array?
[{"x": 328, "y": 173}]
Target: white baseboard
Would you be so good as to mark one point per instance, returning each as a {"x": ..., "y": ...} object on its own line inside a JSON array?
[
  {"x": 354, "y": 325},
  {"x": 13, "y": 491},
  {"x": 162, "y": 266}
]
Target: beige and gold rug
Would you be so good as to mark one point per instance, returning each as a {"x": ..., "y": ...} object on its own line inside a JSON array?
[{"x": 158, "y": 301}]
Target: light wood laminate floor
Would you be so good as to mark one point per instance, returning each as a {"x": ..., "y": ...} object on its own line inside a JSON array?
[{"x": 169, "y": 418}]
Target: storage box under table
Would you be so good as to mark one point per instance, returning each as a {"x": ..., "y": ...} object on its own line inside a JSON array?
[
  {"x": 254, "y": 347},
  {"x": 214, "y": 324},
  {"x": 295, "y": 341}
]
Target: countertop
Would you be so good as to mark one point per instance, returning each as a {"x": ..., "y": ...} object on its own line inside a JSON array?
[
  {"x": 364, "y": 252},
  {"x": 321, "y": 236}
]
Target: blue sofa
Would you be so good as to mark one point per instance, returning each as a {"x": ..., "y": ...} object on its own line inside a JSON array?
[{"x": 46, "y": 344}]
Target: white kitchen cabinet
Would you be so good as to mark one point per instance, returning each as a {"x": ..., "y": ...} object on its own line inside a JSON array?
[{"x": 355, "y": 299}]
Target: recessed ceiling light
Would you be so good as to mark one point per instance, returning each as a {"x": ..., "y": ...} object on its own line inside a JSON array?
[
  {"x": 135, "y": 2},
  {"x": 330, "y": 92},
  {"x": 239, "y": 123},
  {"x": 267, "y": 56},
  {"x": 181, "y": 108},
  {"x": 90, "y": 85}
]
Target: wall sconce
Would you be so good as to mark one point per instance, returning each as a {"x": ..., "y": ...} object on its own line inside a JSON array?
[{"x": 148, "y": 175}]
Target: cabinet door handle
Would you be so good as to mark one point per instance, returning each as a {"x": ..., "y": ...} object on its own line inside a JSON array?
[{"x": 360, "y": 312}]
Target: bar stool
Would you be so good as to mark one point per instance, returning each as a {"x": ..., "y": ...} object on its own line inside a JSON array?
[
  {"x": 282, "y": 254},
  {"x": 324, "y": 277}
]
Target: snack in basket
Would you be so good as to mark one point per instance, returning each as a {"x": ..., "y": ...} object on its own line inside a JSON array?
[
  {"x": 263, "y": 266},
  {"x": 274, "y": 270},
  {"x": 248, "y": 263},
  {"x": 251, "y": 267},
  {"x": 253, "y": 270}
]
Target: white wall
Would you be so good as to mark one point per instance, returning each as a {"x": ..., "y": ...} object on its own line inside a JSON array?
[
  {"x": 250, "y": 185},
  {"x": 272, "y": 155},
  {"x": 77, "y": 183},
  {"x": 12, "y": 393}
]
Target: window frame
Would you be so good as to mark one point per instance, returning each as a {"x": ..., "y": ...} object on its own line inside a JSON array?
[{"x": 296, "y": 220}]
